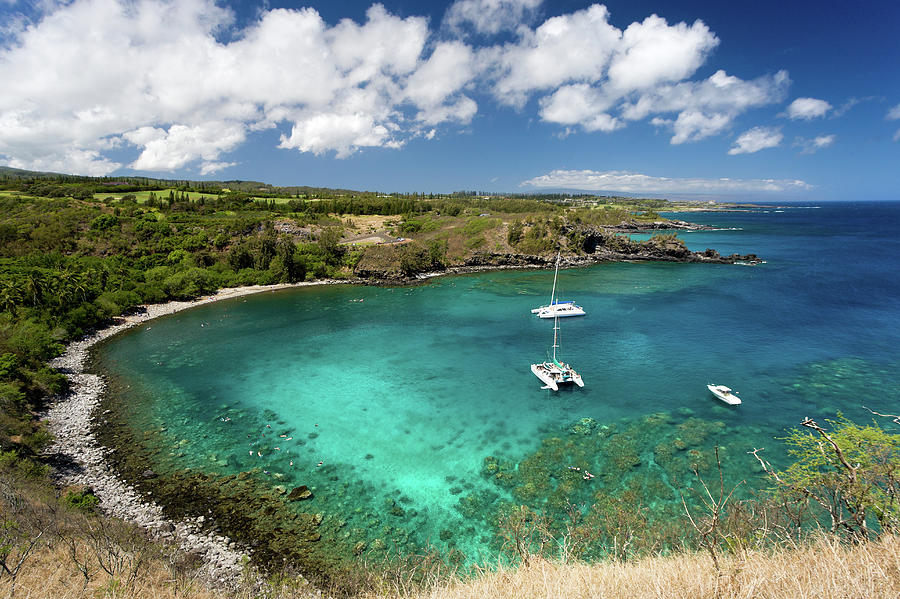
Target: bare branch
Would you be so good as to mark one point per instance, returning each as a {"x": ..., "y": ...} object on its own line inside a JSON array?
[{"x": 893, "y": 417}]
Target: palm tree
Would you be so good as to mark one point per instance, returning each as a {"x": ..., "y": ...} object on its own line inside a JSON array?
[
  {"x": 35, "y": 286},
  {"x": 10, "y": 297}
]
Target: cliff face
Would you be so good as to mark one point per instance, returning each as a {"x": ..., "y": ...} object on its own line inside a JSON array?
[
  {"x": 602, "y": 245},
  {"x": 581, "y": 246}
]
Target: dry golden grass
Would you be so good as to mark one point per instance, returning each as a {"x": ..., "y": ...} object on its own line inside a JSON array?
[
  {"x": 51, "y": 574},
  {"x": 824, "y": 570}
]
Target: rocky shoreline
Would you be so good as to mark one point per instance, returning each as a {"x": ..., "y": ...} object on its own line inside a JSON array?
[
  {"x": 587, "y": 246},
  {"x": 80, "y": 460}
]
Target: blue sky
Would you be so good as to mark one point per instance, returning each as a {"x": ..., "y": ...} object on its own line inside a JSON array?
[{"x": 733, "y": 100}]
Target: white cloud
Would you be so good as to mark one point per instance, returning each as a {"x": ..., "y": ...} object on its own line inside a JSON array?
[
  {"x": 653, "y": 52},
  {"x": 756, "y": 139},
  {"x": 150, "y": 74},
  {"x": 692, "y": 125},
  {"x": 180, "y": 145},
  {"x": 568, "y": 48},
  {"x": 152, "y": 78},
  {"x": 706, "y": 107},
  {"x": 807, "y": 108},
  {"x": 438, "y": 80},
  {"x": 209, "y": 168},
  {"x": 591, "y": 70},
  {"x": 345, "y": 133},
  {"x": 627, "y": 182},
  {"x": 489, "y": 16},
  {"x": 811, "y": 146},
  {"x": 894, "y": 113},
  {"x": 67, "y": 160},
  {"x": 720, "y": 93},
  {"x": 579, "y": 104}
]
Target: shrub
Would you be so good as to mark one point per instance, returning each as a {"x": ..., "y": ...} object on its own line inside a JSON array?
[
  {"x": 176, "y": 256},
  {"x": 9, "y": 365},
  {"x": 104, "y": 222},
  {"x": 83, "y": 501},
  {"x": 480, "y": 224},
  {"x": 188, "y": 284},
  {"x": 516, "y": 230},
  {"x": 12, "y": 399}
]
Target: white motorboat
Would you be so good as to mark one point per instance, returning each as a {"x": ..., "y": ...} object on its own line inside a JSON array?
[
  {"x": 552, "y": 372},
  {"x": 724, "y": 393},
  {"x": 558, "y": 307}
]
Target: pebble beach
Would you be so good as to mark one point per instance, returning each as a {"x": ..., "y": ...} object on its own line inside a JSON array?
[{"x": 71, "y": 419}]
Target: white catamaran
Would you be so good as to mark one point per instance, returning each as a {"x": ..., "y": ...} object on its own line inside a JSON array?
[
  {"x": 554, "y": 373},
  {"x": 558, "y": 307}
]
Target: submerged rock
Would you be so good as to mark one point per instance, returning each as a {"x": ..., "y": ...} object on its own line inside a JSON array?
[
  {"x": 584, "y": 426},
  {"x": 300, "y": 493}
]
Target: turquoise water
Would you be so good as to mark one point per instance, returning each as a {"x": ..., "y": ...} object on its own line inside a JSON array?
[{"x": 386, "y": 401}]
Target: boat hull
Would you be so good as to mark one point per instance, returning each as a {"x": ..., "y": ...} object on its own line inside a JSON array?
[
  {"x": 724, "y": 394},
  {"x": 545, "y": 377},
  {"x": 561, "y": 312},
  {"x": 552, "y": 376}
]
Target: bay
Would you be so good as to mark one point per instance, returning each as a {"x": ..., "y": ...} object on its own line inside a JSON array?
[{"x": 387, "y": 401}]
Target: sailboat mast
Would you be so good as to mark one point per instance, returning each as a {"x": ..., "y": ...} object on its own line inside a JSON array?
[
  {"x": 552, "y": 307},
  {"x": 553, "y": 289},
  {"x": 555, "y": 335}
]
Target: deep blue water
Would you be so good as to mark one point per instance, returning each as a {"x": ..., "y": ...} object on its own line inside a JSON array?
[{"x": 407, "y": 391}]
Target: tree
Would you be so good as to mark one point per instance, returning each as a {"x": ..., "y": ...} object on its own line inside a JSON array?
[
  {"x": 293, "y": 270},
  {"x": 329, "y": 242},
  {"x": 10, "y": 297},
  {"x": 516, "y": 230},
  {"x": 851, "y": 472},
  {"x": 240, "y": 257}
]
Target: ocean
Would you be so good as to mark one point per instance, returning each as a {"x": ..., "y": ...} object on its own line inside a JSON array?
[{"x": 412, "y": 415}]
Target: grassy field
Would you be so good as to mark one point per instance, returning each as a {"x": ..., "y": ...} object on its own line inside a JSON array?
[{"x": 825, "y": 569}]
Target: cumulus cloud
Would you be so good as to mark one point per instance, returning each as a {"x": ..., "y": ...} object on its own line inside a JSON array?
[
  {"x": 489, "y": 16},
  {"x": 569, "y": 48},
  {"x": 707, "y": 107},
  {"x": 168, "y": 150},
  {"x": 150, "y": 75},
  {"x": 756, "y": 139},
  {"x": 172, "y": 84},
  {"x": 628, "y": 182},
  {"x": 811, "y": 146},
  {"x": 653, "y": 52},
  {"x": 439, "y": 79},
  {"x": 807, "y": 109},
  {"x": 894, "y": 113},
  {"x": 579, "y": 105},
  {"x": 588, "y": 73}
]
